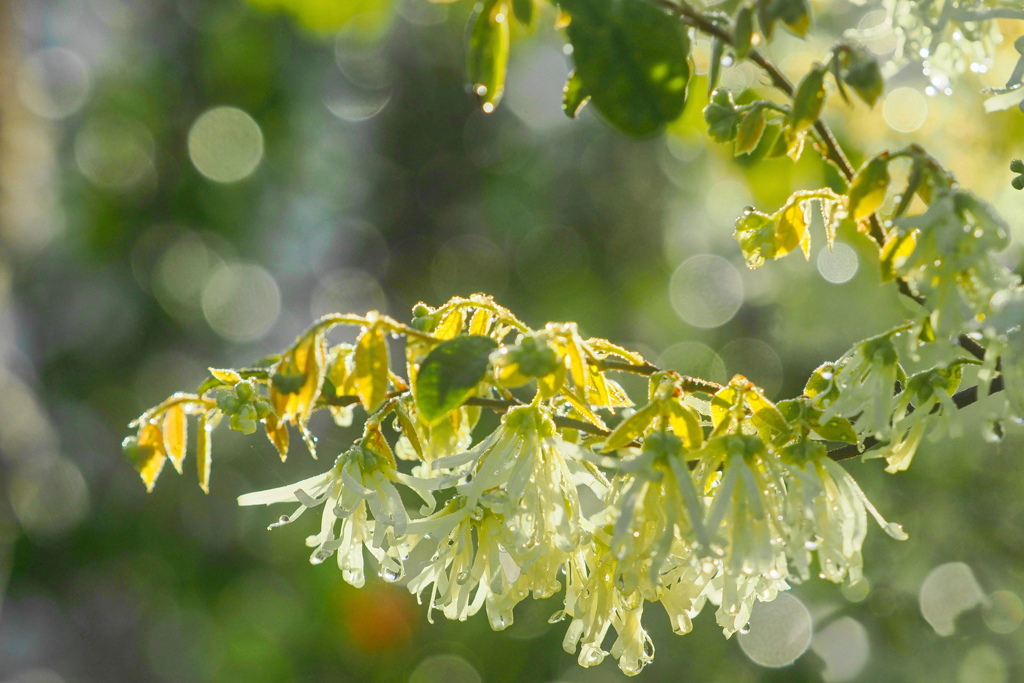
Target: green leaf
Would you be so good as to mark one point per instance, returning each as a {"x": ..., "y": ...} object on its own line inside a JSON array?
[
  {"x": 766, "y": 17},
  {"x": 743, "y": 33},
  {"x": 449, "y": 374},
  {"x": 750, "y": 131},
  {"x": 868, "y": 187},
  {"x": 861, "y": 72},
  {"x": 574, "y": 96},
  {"x": 821, "y": 383},
  {"x": 808, "y": 100},
  {"x": 487, "y": 53},
  {"x": 721, "y": 116},
  {"x": 632, "y": 59},
  {"x": 523, "y": 11},
  {"x": 795, "y": 14}
]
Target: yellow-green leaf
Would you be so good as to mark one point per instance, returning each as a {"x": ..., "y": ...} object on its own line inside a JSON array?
[
  {"x": 175, "y": 430},
  {"x": 371, "y": 377},
  {"x": 791, "y": 230},
  {"x": 203, "y": 452},
  {"x": 632, "y": 427},
  {"x": 487, "y": 53},
  {"x": 449, "y": 375},
  {"x": 868, "y": 188},
  {"x": 151, "y": 455},
  {"x": 451, "y": 325},
  {"x": 277, "y": 432},
  {"x": 229, "y": 377},
  {"x": 808, "y": 100},
  {"x": 685, "y": 422},
  {"x": 895, "y": 253},
  {"x": 750, "y": 131}
]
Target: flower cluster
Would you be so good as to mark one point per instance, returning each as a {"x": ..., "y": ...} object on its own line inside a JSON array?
[{"x": 704, "y": 494}]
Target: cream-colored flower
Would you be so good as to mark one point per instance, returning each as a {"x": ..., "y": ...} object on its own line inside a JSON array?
[
  {"x": 596, "y": 605},
  {"x": 360, "y": 481},
  {"x": 526, "y": 467}
]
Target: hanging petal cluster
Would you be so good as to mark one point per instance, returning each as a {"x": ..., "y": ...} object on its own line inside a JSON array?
[{"x": 702, "y": 494}]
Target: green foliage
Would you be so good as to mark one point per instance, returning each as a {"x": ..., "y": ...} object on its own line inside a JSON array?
[
  {"x": 704, "y": 491},
  {"x": 449, "y": 374},
  {"x": 632, "y": 59}
]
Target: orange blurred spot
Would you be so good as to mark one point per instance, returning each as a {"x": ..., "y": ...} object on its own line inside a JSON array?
[{"x": 378, "y": 618}]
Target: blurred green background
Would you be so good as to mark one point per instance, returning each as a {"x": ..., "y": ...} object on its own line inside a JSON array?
[{"x": 189, "y": 183}]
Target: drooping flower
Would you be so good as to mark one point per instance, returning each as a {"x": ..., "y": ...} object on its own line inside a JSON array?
[
  {"x": 825, "y": 512},
  {"x": 657, "y": 516},
  {"x": 528, "y": 463},
  {"x": 747, "y": 505},
  {"x": 360, "y": 483},
  {"x": 596, "y": 604},
  {"x": 468, "y": 569}
]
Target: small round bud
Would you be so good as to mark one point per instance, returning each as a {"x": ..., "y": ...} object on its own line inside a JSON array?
[
  {"x": 245, "y": 391},
  {"x": 420, "y": 311},
  {"x": 1018, "y": 183},
  {"x": 1017, "y": 165},
  {"x": 228, "y": 403},
  {"x": 262, "y": 408}
]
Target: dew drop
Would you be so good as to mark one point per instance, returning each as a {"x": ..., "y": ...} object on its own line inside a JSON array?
[
  {"x": 389, "y": 574},
  {"x": 557, "y": 617},
  {"x": 745, "y": 629}
]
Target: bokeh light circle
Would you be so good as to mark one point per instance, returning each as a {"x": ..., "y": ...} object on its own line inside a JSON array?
[
  {"x": 755, "y": 360},
  {"x": 225, "y": 144},
  {"x": 53, "y": 83},
  {"x": 905, "y": 109},
  {"x": 115, "y": 153},
  {"x": 983, "y": 664},
  {"x": 241, "y": 301},
  {"x": 445, "y": 669},
  {"x": 49, "y": 500},
  {"x": 947, "y": 592},
  {"x": 694, "y": 359},
  {"x": 838, "y": 264},
  {"x": 1003, "y": 612},
  {"x": 780, "y": 631},
  {"x": 844, "y": 647},
  {"x": 706, "y": 291}
]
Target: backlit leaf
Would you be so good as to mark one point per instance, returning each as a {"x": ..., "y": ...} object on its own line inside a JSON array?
[
  {"x": 808, "y": 100},
  {"x": 487, "y": 53},
  {"x": 371, "y": 377},
  {"x": 175, "y": 429},
  {"x": 632, "y": 427},
  {"x": 449, "y": 374},
  {"x": 150, "y": 456},
  {"x": 750, "y": 130},
  {"x": 632, "y": 59},
  {"x": 574, "y": 95},
  {"x": 204, "y": 451},
  {"x": 868, "y": 188}
]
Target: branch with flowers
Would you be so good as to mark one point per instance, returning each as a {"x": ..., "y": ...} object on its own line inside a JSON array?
[{"x": 694, "y": 492}]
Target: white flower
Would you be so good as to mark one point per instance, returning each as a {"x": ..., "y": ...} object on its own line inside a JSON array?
[
  {"x": 596, "y": 605},
  {"x": 657, "y": 516},
  {"x": 524, "y": 463},
  {"x": 466, "y": 571},
  {"x": 360, "y": 480},
  {"x": 744, "y": 516},
  {"x": 826, "y": 513}
]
